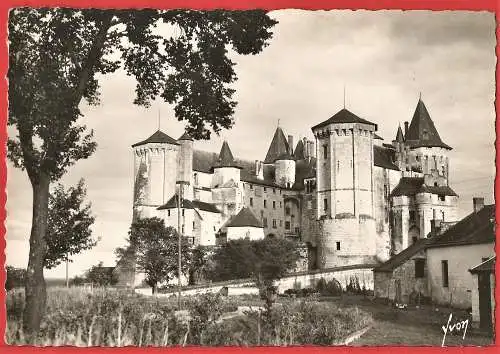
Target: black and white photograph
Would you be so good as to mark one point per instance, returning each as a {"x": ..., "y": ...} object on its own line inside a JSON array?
[{"x": 250, "y": 178}]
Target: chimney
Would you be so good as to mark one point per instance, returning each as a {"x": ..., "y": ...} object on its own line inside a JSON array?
[
  {"x": 259, "y": 169},
  {"x": 478, "y": 203},
  {"x": 435, "y": 227},
  {"x": 406, "y": 128},
  {"x": 313, "y": 149},
  {"x": 290, "y": 144}
]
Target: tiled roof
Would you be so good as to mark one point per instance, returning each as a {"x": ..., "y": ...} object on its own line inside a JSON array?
[
  {"x": 486, "y": 266},
  {"x": 422, "y": 132},
  {"x": 158, "y": 137},
  {"x": 279, "y": 146},
  {"x": 475, "y": 228},
  {"x": 188, "y": 204},
  {"x": 244, "y": 218},
  {"x": 343, "y": 116},
  {"x": 400, "y": 258},
  {"x": 185, "y": 136},
  {"x": 410, "y": 186},
  {"x": 382, "y": 157}
]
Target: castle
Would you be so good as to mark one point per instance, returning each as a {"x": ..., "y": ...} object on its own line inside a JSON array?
[{"x": 348, "y": 196}]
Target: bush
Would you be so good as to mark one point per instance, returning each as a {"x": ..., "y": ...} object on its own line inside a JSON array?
[{"x": 330, "y": 288}]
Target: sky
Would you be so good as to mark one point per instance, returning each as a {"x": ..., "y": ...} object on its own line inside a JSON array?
[{"x": 383, "y": 59}]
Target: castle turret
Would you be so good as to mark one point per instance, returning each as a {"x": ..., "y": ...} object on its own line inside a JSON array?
[
  {"x": 155, "y": 173},
  {"x": 344, "y": 192},
  {"x": 185, "y": 171},
  {"x": 284, "y": 170},
  {"x": 226, "y": 168}
]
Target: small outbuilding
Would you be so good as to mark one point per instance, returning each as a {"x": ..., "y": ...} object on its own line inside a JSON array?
[
  {"x": 483, "y": 294},
  {"x": 244, "y": 225}
]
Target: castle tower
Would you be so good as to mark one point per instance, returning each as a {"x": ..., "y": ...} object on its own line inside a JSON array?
[
  {"x": 185, "y": 163},
  {"x": 225, "y": 168},
  {"x": 344, "y": 192},
  {"x": 284, "y": 173},
  {"x": 155, "y": 173}
]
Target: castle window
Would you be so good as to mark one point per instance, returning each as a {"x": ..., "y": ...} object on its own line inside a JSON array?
[
  {"x": 325, "y": 204},
  {"x": 182, "y": 229},
  {"x": 338, "y": 165},
  {"x": 435, "y": 184},
  {"x": 442, "y": 215},
  {"x": 251, "y": 186},
  {"x": 414, "y": 239},
  {"x": 195, "y": 177},
  {"x": 419, "y": 267},
  {"x": 194, "y": 226},
  {"x": 338, "y": 245},
  {"x": 274, "y": 223},
  {"x": 265, "y": 203},
  {"x": 274, "y": 190},
  {"x": 265, "y": 189},
  {"x": 168, "y": 212},
  {"x": 281, "y": 223},
  {"x": 287, "y": 225},
  {"x": 412, "y": 216},
  {"x": 281, "y": 205},
  {"x": 274, "y": 204},
  {"x": 251, "y": 201},
  {"x": 325, "y": 151},
  {"x": 287, "y": 211},
  {"x": 264, "y": 221},
  {"x": 183, "y": 210},
  {"x": 444, "y": 273}
]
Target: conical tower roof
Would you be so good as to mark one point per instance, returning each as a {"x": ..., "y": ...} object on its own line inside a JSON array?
[
  {"x": 399, "y": 135},
  {"x": 298, "y": 154},
  {"x": 344, "y": 116},
  {"x": 158, "y": 137},
  {"x": 245, "y": 218},
  {"x": 422, "y": 132},
  {"x": 226, "y": 158},
  {"x": 279, "y": 146}
]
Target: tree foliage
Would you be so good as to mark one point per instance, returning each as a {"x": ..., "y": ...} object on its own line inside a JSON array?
[
  {"x": 156, "y": 249},
  {"x": 101, "y": 276},
  {"x": 264, "y": 260},
  {"x": 69, "y": 222},
  {"x": 15, "y": 278},
  {"x": 58, "y": 55}
]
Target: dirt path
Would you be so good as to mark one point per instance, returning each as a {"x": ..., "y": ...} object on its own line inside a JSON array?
[{"x": 414, "y": 326}]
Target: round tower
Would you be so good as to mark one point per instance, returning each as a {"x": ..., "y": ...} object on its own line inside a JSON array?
[
  {"x": 155, "y": 173},
  {"x": 345, "y": 190},
  {"x": 284, "y": 170}
]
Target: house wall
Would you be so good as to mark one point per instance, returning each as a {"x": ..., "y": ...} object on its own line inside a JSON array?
[
  {"x": 253, "y": 233},
  {"x": 460, "y": 260},
  {"x": 475, "y": 298},
  {"x": 210, "y": 224}
]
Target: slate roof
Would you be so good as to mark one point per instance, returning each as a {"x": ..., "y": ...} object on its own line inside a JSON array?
[
  {"x": 400, "y": 258},
  {"x": 279, "y": 146},
  {"x": 226, "y": 158},
  {"x": 422, "y": 132},
  {"x": 383, "y": 157},
  {"x": 158, "y": 137},
  {"x": 475, "y": 228},
  {"x": 298, "y": 153},
  {"x": 410, "y": 186},
  {"x": 188, "y": 204},
  {"x": 486, "y": 266},
  {"x": 377, "y": 137},
  {"x": 245, "y": 218},
  {"x": 343, "y": 116},
  {"x": 185, "y": 136},
  {"x": 399, "y": 135}
]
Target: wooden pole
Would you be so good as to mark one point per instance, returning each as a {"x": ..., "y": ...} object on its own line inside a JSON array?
[
  {"x": 67, "y": 270},
  {"x": 179, "y": 203}
]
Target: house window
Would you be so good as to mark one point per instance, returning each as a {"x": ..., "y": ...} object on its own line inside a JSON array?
[
  {"x": 419, "y": 267},
  {"x": 265, "y": 203},
  {"x": 444, "y": 273},
  {"x": 168, "y": 212},
  {"x": 264, "y": 221},
  {"x": 442, "y": 198},
  {"x": 338, "y": 245},
  {"x": 274, "y": 204},
  {"x": 251, "y": 201},
  {"x": 274, "y": 223},
  {"x": 325, "y": 204},
  {"x": 287, "y": 225}
]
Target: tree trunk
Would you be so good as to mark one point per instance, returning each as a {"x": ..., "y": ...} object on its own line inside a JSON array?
[
  {"x": 36, "y": 294},
  {"x": 154, "y": 288}
]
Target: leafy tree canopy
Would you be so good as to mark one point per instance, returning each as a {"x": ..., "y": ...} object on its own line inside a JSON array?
[{"x": 69, "y": 223}]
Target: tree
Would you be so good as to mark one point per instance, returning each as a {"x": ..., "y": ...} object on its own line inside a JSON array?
[
  {"x": 68, "y": 228},
  {"x": 264, "y": 260},
  {"x": 15, "y": 278},
  {"x": 101, "y": 276},
  {"x": 156, "y": 249},
  {"x": 200, "y": 263},
  {"x": 56, "y": 57}
]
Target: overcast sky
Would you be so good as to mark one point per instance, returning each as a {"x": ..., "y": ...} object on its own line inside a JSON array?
[{"x": 384, "y": 59}]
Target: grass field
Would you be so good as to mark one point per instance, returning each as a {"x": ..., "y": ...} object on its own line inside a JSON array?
[{"x": 106, "y": 317}]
